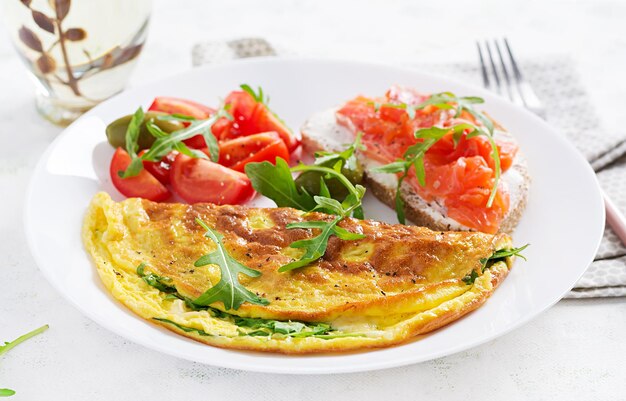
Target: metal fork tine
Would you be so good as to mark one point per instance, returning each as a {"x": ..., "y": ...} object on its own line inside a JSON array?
[
  {"x": 496, "y": 76},
  {"x": 519, "y": 91},
  {"x": 483, "y": 67},
  {"x": 530, "y": 99},
  {"x": 516, "y": 71},
  {"x": 512, "y": 88}
]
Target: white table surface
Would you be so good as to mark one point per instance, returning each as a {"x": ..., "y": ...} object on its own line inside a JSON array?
[{"x": 575, "y": 350}]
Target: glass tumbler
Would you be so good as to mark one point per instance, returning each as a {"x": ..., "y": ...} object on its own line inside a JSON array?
[{"x": 78, "y": 52}]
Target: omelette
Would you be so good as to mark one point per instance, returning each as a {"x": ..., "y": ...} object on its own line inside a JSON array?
[{"x": 391, "y": 285}]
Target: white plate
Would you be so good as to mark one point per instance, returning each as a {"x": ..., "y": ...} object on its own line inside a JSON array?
[{"x": 564, "y": 220}]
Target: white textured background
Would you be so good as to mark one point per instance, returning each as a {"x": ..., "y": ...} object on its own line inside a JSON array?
[{"x": 576, "y": 350}]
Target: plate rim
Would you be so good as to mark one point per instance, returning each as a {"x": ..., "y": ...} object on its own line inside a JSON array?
[{"x": 280, "y": 369}]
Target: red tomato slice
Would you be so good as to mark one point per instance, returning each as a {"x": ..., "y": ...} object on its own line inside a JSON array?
[
  {"x": 161, "y": 169},
  {"x": 236, "y": 153},
  {"x": 251, "y": 117},
  {"x": 144, "y": 185},
  {"x": 221, "y": 128},
  {"x": 268, "y": 153},
  {"x": 242, "y": 106},
  {"x": 200, "y": 180},
  {"x": 173, "y": 105},
  {"x": 264, "y": 120}
]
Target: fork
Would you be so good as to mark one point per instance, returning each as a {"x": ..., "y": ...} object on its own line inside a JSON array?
[{"x": 507, "y": 80}]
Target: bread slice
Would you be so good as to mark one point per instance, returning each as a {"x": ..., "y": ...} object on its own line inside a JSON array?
[{"x": 321, "y": 132}]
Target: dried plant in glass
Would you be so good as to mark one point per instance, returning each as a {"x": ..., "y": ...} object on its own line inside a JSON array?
[{"x": 56, "y": 40}]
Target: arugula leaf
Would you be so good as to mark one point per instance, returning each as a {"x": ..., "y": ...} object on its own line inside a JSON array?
[
  {"x": 259, "y": 97},
  {"x": 207, "y": 134},
  {"x": 183, "y": 328},
  {"x": 7, "y": 392},
  {"x": 157, "y": 132},
  {"x": 470, "y": 278},
  {"x": 10, "y": 345},
  {"x": 277, "y": 183},
  {"x": 261, "y": 327},
  {"x": 177, "y": 117},
  {"x": 132, "y": 132},
  {"x": 315, "y": 247},
  {"x": 163, "y": 284},
  {"x": 267, "y": 327},
  {"x": 348, "y": 156},
  {"x": 505, "y": 253},
  {"x": 228, "y": 290},
  {"x": 497, "y": 256},
  {"x": 164, "y": 144},
  {"x": 132, "y": 145}
]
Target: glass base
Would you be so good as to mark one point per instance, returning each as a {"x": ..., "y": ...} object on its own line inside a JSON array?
[{"x": 57, "y": 112}]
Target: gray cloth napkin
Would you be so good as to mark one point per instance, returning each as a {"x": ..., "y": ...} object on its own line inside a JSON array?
[{"x": 568, "y": 109}]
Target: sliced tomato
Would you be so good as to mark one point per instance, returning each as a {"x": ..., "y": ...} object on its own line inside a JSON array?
[
  {"x": 268, "y": 153},
  {"x": 144, "y": 185},
  {"x": 242, "y": 106},
  {"x": 200, "y": 180},
  {"x": 264, "y": 120},
  {"x": 221, "y": 128},
  {"x": 238, "y": 152},
  {"x": 161, "y": 169},
  {"x": 252, "y": 117},
  {"x": 173, "y": 105}
]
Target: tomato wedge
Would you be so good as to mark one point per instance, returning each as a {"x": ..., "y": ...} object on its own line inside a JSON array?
[
  {"x": 173, "y": 105},
  {"x": 161, "y": 169},
  {"x": 264, "y": 120},
  {"x": 238, "y": 152},
  {"x": 252, "y": 117},
  {"x": 144, "y": 185},
  {"x": 200, "y": 180}
]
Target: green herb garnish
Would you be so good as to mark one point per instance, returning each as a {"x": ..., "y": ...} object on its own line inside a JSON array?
[
  {"x": 5, "y": 392},
  {"x": 165, "y": 142},
  {"x": 163, "y": 284},
  {"x": 251, "y": 326},
  {"x": 315, "y": 247},
  {"x": 277, "y": 183},
  {"x": 258, "y": 96},
  {"x": 183, "y": 328},
  {"x": 166, "y": 285},
  {"x": 497, "y": 256},
  {"x": 132, "y": 145},
  {"x": 470, "y": 278},
  {"x": 505, "y": 253},
  {"x": 228, "y": 290},
  {"x": 157, "y": 132},
  {"x": 267, "y": 327},
  {"x": 414, "y": 155}
]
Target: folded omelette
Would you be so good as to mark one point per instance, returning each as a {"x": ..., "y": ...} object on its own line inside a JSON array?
[{"x": 386, "y": 288}]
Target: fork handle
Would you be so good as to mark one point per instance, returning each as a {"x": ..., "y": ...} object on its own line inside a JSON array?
[{"x": 615, "y": 218}]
